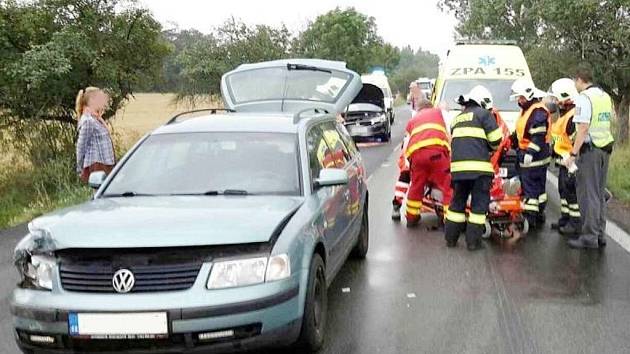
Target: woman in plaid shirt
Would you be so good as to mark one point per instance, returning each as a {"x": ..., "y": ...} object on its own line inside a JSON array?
[{"x": 95, "y": 150}]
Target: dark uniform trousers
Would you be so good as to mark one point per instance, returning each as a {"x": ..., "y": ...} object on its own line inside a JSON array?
[
  {"x": 533, "y": 184},
  {"x": 479, "y": 191},
  {"x": 592, "y": 176},
  {"x": 569, "y": 208}
]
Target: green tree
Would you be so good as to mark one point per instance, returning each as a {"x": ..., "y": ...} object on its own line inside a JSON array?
[
  {"x": 557, "y": 35},
  {"x": 386, "y": 56},
  {"x": 52, "y": 48},
  {"x": 205, "y": 59},
  {"x": 413, "y": 65},
  {"x": 345, "y": 35}
]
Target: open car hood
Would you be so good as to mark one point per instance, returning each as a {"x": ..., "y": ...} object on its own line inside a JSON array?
[
  {"x": 290, "y": 85},
  {"x": 370, "y": 94}
]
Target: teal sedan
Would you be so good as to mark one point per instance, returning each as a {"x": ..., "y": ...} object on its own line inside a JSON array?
[{"x": 219, "y": 231}]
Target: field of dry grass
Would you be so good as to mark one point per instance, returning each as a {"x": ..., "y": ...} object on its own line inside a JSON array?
[{"x": 147, "y": 111}]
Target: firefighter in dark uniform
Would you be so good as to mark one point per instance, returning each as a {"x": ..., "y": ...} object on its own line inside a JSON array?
[
  {"x": 475, "y": 135},
  {"x": 533, "y": 135},
  {"x": 563, "y": 134}
]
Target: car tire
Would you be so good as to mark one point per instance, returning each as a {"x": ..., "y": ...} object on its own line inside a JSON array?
[
  {"x": 387, "y": 136},
  {"x": 315, "y": 308},
  {"x": 363, "y": 242}
]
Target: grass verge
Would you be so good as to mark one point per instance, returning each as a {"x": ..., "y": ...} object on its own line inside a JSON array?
[
  {"x": 618, "y": 173},
  {"x": 28, "y": 191}
]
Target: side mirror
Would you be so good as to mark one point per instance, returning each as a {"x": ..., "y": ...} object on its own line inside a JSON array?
[
  {"x": 96, "y": 179},
  {"x": 331, "y": 177}
]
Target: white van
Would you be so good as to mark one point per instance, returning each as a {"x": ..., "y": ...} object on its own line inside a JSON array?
[
  {"x": 494, "y": 65},
  {"x": 379, "y": 80},
  {"x": 426, "y": 86}
]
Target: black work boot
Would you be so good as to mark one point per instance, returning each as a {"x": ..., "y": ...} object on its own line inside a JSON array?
[
  {"x": 396, "y": 212},
  {"x": 601, "y": 241},
  {"x": 451, "y": 233},
  {"x": 473, "y": 236},
  {"x": 531, "y": 220}
]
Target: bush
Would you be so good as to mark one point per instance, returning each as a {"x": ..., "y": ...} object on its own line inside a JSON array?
[
  {"x": 618, "y": 180},
  {"x": 37, "y": 173},
  {"x": 29, "y": 191}
]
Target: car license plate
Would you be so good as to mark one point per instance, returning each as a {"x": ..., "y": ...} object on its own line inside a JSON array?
[
  {"x": 145, "y": 325},
  {"x": 503, "y": 172},
  {"x": 359, "y": 129}
]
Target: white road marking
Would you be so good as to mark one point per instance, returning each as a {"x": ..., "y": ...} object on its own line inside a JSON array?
[
  {"x": 345, "y": 290},
  {"x": 411, "y": 295},
  {"x": 612, "y": 230}
]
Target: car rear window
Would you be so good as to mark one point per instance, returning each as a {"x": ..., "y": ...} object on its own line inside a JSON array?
[{"x": 279, "y": 83}]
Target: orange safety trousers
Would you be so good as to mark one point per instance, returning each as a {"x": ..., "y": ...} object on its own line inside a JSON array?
[{"x": 428, "y": 166}]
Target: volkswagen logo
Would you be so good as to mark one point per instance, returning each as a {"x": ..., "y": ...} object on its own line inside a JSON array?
[{"x": 123, "y": 281}]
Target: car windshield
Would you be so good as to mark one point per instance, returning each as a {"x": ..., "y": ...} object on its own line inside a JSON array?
[
  {"x": 500, "y": 89},
  {"x": 210, "y": 163},
  {"x": 425, "y": 85},
  {"x": 309, "y": 84}
]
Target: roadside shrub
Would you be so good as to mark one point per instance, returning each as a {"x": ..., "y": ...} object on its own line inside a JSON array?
[
  {"x": 618, "y": 180},
  {"x": 37, "y": 172}
]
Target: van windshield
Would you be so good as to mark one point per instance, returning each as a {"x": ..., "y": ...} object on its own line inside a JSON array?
[
  {"x": 500, "y": 89},
  {"x": 425, "y": 85}
]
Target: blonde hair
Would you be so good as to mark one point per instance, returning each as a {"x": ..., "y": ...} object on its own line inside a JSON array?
[{"x": 83, "y": 97}]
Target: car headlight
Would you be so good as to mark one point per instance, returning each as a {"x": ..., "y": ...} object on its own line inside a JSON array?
[
  {"x": 380, "y": 119},
  {"x": 38, "y": 272},
  {"x": 34, "y": 260},
  {"x": 250, "y": 271}
]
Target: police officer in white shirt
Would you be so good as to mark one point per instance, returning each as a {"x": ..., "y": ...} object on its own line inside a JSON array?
[{"x": 592, "y": 148}]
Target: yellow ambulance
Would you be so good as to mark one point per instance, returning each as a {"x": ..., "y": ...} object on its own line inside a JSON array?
[{"x": 494, "y": 65}]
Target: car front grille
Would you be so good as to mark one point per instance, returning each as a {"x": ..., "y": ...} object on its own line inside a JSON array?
[
  {"x": 148, "y": 278},
  {"x": 154, "y": 269}
]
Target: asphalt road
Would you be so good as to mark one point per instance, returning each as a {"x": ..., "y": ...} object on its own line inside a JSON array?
[{"x": 414, "y": 295}]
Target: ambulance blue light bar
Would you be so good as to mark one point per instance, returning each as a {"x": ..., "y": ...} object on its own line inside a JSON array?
[{"x": 485, "y": 42}]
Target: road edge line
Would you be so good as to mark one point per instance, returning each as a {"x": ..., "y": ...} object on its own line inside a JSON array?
[{"x": 612, "y": 229}]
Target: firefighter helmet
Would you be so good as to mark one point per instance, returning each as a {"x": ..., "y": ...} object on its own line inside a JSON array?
[
  {"x": 525, "y": 87},
  {"x": 564, "y": 90},
  {"x": 480, "y": 95}
]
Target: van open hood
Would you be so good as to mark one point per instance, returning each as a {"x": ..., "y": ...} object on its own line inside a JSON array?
[
  {"x": 370, "y": 94},
  {"x": 290, "y": 85}
]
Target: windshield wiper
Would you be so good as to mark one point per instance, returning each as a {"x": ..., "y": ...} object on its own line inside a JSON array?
[
  {"x": 235, "y": 192},
  {"x": 225, "y": 192},
  {"x": 306, "y": 67},
  {"x": 127, "y": 194}
]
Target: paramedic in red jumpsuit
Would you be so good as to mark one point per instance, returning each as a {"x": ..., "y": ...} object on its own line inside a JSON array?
[{"x": 427, "y": 149}]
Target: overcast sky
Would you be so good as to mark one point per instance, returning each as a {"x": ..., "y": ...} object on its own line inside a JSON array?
[{"x": 418, "y": 23}]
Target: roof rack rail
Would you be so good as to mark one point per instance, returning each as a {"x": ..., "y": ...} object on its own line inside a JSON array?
[
  {"x": 486, "y": 41},
  {"x": 211, "y": 110},
  {"x": 297, "y": 116}
]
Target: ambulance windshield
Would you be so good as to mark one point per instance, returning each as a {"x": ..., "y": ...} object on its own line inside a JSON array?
[{"x": 500, "y": 89}]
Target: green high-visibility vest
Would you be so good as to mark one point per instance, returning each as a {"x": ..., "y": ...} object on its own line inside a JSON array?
[{"x": 601, "y": 116}]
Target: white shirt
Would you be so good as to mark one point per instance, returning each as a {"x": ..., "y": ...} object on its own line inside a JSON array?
[{"x": 583, "y": 110}]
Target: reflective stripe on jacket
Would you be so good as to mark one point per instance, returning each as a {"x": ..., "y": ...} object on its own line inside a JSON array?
[
  {"x": 427, "y": 128},
  {"x": 562, "y": 139},
  {"x": 475, "y": 134}
]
